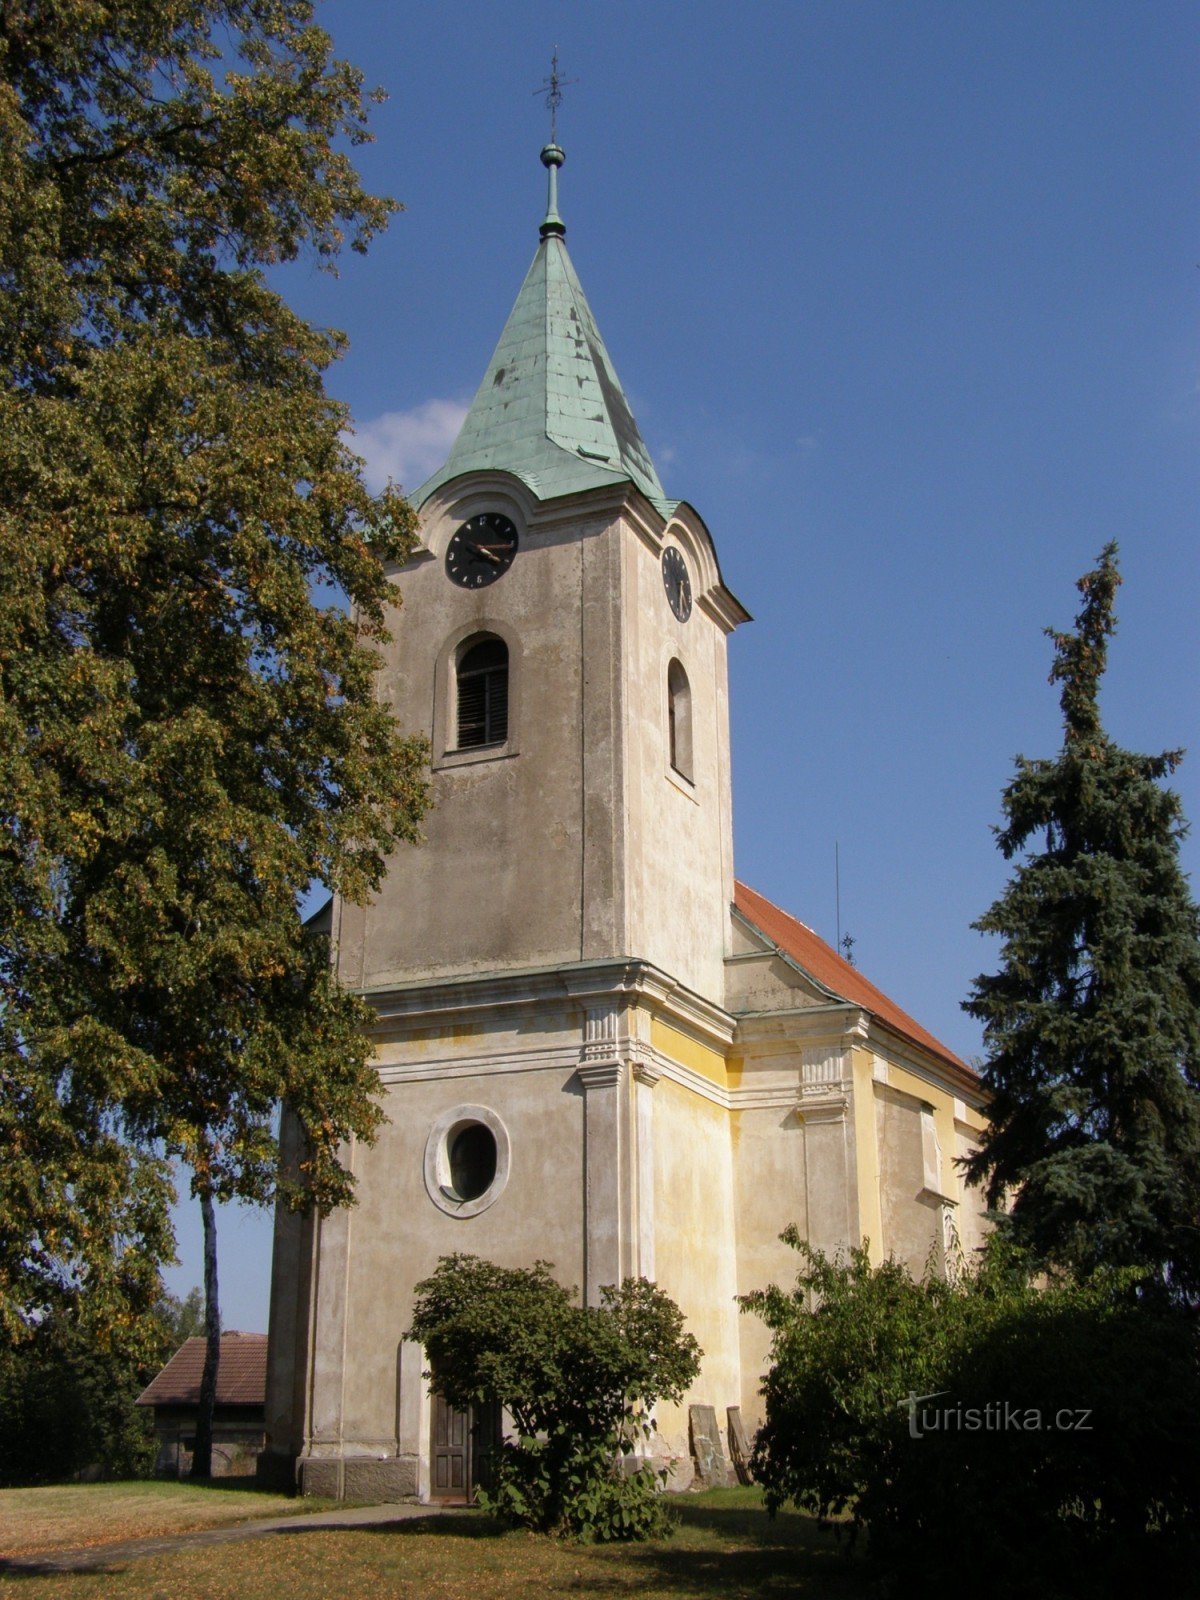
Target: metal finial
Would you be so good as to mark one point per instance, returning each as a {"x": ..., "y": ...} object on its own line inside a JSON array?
[
  {"x": 552, "y": 155},
  {"x": 551, "y": 89}
]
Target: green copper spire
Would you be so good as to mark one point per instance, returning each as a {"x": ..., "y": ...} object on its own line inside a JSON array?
[{"x": 551, "y": 409}]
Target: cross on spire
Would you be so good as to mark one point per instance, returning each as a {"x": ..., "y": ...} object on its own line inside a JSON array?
[{"x": 551, "y": 88}]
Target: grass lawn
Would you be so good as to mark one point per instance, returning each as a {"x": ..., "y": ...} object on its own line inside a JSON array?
[
  {"x": 77, "y": 1514},
  {"x": 725, "y": 1545}
]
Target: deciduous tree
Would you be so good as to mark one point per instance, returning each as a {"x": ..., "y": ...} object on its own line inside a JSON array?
[
  {"x": 1040, "y": 1431},
  {"x": 187, "y": 740}
]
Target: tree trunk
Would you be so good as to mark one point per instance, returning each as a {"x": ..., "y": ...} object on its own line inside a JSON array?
[{"x": 202, "y": 1454}]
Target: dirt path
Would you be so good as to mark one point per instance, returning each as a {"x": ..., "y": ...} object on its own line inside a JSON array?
[{"x": 96, "y": 1558}]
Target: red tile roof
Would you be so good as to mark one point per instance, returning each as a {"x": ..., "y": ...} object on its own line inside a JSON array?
[
  {"x": 822, "y": 962},
  {"x": 241, "y": 1375}
]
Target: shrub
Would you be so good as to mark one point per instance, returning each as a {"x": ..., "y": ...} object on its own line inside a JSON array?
[
  {"x": 1040, "y": 1438},
  {"x": 578, "y": 1381}
]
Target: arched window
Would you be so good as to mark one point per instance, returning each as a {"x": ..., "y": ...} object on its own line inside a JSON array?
[
  {"x": 482, "y": 698},
  {"x": 679, "y": 720}
]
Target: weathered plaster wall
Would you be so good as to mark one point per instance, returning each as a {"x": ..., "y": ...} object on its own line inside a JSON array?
[
  {"x": 521, "y": 864},
  {"x": 912, "y": 1229},
  {"x": 680, "y": 833},
  {"x": 396, "y": 1234},
  {"x": 695, "y": 1257}
]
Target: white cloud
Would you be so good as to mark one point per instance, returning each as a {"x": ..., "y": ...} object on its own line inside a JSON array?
[{"x": 407, "y": 446}]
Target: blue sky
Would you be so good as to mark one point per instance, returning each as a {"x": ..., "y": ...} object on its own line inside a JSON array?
[{"x": 904, "y": 299}]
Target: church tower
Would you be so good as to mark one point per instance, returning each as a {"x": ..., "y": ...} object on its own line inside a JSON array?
[
  {"x": 563, "y": 644},
  {"x": 593, "y": 1048}
]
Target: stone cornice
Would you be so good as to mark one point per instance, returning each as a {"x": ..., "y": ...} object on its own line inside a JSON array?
[
  {"x": 437, "y": 1001},
  {"x": 765, "y": 1034}
]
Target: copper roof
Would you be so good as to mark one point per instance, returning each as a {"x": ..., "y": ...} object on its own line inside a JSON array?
[
  {"x": 833, "y": 972},
  {"x": 551, "y": 409},
  {"x": 241, "y": 1375}
]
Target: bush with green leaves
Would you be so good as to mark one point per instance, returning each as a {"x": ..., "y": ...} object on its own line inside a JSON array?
[
  {"x": 1041, "y": 1433},
  {"x": 579, "y": 1383}
]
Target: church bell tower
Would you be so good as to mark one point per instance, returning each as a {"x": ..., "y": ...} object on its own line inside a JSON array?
[
  {"x": 562, "y": 929},
  {"x": 562, "y": 644}
]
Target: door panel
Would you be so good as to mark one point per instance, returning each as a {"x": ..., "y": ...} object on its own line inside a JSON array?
[
  {"x": 464, "y": 1449},
  {"x": 451, "y": 1475}
]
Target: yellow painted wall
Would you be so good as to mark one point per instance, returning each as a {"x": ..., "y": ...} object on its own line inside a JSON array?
[
  {"x": 943, "y": 1121},
  {"x": 695, "y": 1257},
  {"x": 866, "y": 1152},
  {"x": 688, "y": 1052}
]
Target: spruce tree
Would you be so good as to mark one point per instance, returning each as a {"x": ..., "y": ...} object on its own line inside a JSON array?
[{"x": 1092, "y": 1023}]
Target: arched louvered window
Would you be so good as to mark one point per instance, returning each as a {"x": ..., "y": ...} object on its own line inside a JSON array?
[
  {"x": 679, "y": 720},
  {"x": 482, "y": 696}
]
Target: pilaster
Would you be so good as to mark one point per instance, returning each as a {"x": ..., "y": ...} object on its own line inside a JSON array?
[
  {"x": 603, "y": 1166},
  {"x": 645, "y": 1076}
]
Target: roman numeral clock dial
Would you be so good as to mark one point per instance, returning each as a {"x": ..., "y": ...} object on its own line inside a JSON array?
[
  {"x": 677, "y": 583},
  {"x": 481, "y": 551}
]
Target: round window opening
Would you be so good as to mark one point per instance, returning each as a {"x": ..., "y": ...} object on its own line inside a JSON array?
[
  {"x": 472, "y": 1161},
  {"x": 467, "y": 1159}
]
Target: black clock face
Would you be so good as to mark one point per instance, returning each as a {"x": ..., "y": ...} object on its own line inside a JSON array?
[
  {"x": 482, "y": 550},
  {"x": 677, "y": 583}
]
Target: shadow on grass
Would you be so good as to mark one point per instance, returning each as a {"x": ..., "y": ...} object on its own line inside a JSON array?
[
  {"x": 727, "y": 1547},
  {"x": 747, "y": 1553},
  {"x": 731, "y": 1549},
  {"x": 245, "y": 1484},
  {"x": 464, "y": 1524}
]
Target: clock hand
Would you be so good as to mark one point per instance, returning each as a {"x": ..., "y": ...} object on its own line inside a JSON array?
[{"x": 484, "y": 551}]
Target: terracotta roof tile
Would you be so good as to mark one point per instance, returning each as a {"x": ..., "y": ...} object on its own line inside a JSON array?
[
  {"x": 822, "y": 962},
  {"x": 241, "y": 1375}
]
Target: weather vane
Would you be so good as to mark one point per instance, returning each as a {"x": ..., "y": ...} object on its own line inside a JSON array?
[{"x": 551, "y": 89}]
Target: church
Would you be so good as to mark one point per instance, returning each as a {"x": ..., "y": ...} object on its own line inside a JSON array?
[{"x": 595, "y": 1046}]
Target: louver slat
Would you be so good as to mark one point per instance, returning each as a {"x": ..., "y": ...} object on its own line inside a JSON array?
[{"x": 483, "y": 695}]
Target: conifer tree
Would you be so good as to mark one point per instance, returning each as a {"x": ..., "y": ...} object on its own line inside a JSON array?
[
  {"x": 1092, "y": 1023},
  {"x": 187, "y": 740}
]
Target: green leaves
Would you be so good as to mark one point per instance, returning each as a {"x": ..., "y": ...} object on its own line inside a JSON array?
[
  {"x": 1092, "y": 1022},
  {"x": 579, "y": 1382},
  {"x": 1045, "y": 1427},
  {"x": 187, "y": 741}
]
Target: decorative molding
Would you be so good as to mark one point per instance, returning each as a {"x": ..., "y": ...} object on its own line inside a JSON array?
[
  {"x": 437, "y": 1160},
  {"x": 601, "y": 1075},
  {"x": 822, "y": 1066},
  {"x": 564, "y": 1058},
  {"x": 452, "y": 760},
  {"x": 478, "y": 997},
  {"x": 646, "y": 1072},
  {"x": 763, "y": 1033},
  {"x": 601, "y": 1030},
  {"x": 829, "y": 1108},
  {"x": 777, "y": 1097},
  {"x": 858, "y": 1030}
]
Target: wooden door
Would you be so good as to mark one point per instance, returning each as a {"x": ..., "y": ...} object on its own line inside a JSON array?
[
  {"x": 464, "y": 1449},
  {"x": 451, "y": 1465}
]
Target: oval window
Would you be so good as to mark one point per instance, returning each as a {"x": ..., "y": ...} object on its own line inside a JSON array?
[
  {"x": 472, "y": 1161},
  {"x": 467, "y": 1160}
]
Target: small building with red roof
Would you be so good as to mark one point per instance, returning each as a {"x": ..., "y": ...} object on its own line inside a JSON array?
[{"x": 238, "y": 1425}]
